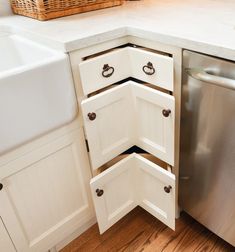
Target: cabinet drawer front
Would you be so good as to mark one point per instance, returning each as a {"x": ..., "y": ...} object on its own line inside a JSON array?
[
  {"x": 151, "y": 67},
  {"x": 91, "y": 70},
  {"x": 101, "y": 71},
  {"x": 153, "y": 181},
  {"x": 155, "y": 132},
  {"x": 131, "y": 182},
  {"x": 110, "y": 133},
  {"x": 127, "y": 115}
]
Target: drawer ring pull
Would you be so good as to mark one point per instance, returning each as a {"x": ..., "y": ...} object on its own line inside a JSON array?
[
  {"x": 99, "y": 192},
  {"x": 107, "y": 71},
  {"x": 167, "y": 189},
  {"x": 149, "y": 69}
]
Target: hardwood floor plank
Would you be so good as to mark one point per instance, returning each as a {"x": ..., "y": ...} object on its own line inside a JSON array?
[{"x": 139, "y": 231}]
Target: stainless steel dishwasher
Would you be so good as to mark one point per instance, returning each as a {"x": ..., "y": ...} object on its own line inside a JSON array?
[{"x": 207, "y": 151}]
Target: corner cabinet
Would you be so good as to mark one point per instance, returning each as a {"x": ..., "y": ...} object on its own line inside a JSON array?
[
  {"x": 128, "y": 91},
  {"x": 46, "y": 196}
]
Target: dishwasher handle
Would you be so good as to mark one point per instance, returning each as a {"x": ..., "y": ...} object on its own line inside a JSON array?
[{"x": 202, "y": 75}]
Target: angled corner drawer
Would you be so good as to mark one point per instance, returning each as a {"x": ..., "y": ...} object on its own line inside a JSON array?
[
  {"x": 133, "y": 181},
  {"x": 101, "y": 71},
  {"x": 126, "y": 115}
]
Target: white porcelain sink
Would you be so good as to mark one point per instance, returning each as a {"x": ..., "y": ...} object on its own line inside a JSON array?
[{"x": 36, "y": 91}]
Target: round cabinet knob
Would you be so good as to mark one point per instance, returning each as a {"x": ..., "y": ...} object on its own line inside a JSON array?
[
  {"x": 149, "y": 69},
  {"x": 92, "y": 116},
  {"x": 107, "y": 71},
  {"x": 99, "y": 192},
  {"x": 166, "y": 112},
  {"x": 1, "y": 186},
  {"x": 167, "y": 189}
]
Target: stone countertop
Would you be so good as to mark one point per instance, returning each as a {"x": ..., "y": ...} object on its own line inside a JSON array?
[{"x": 206, "y": 26}]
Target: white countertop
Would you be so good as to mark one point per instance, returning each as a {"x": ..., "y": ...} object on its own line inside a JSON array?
[{"x": 202, "y": 25}]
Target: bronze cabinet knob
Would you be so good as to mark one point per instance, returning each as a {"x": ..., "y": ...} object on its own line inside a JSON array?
[
  {"x": 99, "y": 192},
  {"x": 92, "y": 116},
  {"x": 107, "y": 71},
  {"x": 149, "y": 69},
  {"x": 166, "y": 112},
  {"x": 1, "y": 186},
  {"x": 167, "y": 189}
]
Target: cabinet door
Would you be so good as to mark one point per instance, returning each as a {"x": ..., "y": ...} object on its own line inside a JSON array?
[
  {"x": 118, "y": 198},
  {"x": 155, "y": 132},
  {"x": 130, "y": 182},
  {"x": 48, "y": 198},
  {"x": 111, "y": 131},
  {"x": 6, "y": 244},
  {"x": 153, "y": 180}
]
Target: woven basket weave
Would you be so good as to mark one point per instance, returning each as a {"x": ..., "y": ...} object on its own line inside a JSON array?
[{"x": 48, "y": 9}]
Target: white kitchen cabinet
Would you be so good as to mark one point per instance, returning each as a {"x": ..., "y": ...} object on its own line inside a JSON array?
[
  {"x": 131, "y": 182},
  {"x": 47, "y": 198},
  {"x": 119, "y": 113},
  {"x": 6, "y": 244},
  {"x": 127, "y": 115}
]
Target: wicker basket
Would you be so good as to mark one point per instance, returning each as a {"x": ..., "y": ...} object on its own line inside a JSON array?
[{"x": 48, "y": 9}]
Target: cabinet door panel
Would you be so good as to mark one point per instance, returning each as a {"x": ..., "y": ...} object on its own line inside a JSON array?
[
  {"x": 110, "y": 133},
  {"x": 119, "y": 197},
  {"x": 152, "y": 197},
  {"x": 6, "y": 244},
  {"x": 155, "y": 133},
  {"x": 48, "y": 197}
]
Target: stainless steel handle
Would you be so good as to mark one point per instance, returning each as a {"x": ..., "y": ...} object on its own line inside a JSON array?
[{"x": 202, "y": 75}]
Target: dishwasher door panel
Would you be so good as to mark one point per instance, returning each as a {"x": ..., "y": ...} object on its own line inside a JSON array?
[{"x": 207, "y": 159}]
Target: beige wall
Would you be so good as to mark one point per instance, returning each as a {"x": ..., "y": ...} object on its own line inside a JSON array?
[{"x": 5, "y": 8}]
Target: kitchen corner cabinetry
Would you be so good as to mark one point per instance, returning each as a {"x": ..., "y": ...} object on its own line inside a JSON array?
[
  {"x": 129, "y": 92},
  {"x": 45, "y": 195}
]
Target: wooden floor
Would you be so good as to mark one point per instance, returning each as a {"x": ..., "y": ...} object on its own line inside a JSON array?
[{"x": 140, "y": 231}]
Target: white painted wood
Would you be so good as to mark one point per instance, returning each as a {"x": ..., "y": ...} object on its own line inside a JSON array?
[
  {"x": 127, "y": 115},
  {"x": 151, "y": 180},
  {"x": 130, "y": 182},
  {"x": 119, "y": 195},
  {"x": 163, "y": 76},
  {"x": 48, "y": 198},
  {"x": 127, "y": 62},
  {"x": 91, "y": 70},
  {"x": 112, "y": 130},
  {"x": 155, "y": 133},
  {"x": 6, "y": 244}
]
